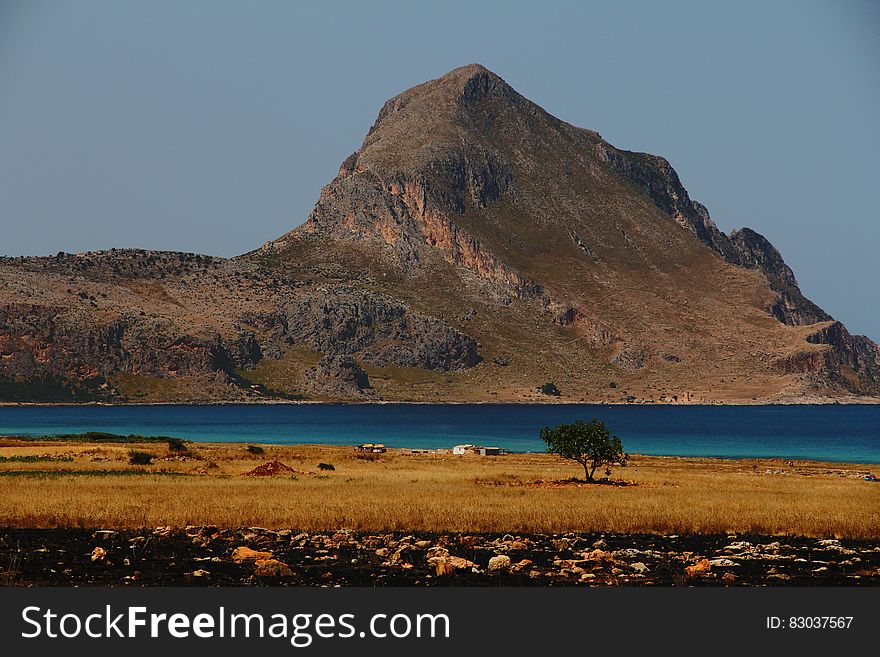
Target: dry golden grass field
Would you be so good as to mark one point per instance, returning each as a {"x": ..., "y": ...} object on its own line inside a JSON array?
[{"x": 76, "y": 484}]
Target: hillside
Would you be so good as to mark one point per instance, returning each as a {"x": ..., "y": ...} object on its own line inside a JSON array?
[{"x": 473, "y": 248}]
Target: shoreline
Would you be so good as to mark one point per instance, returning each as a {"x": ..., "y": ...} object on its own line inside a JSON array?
[
  {"x": 112, "y": 439},
  {"x": 847, "y": 401}
]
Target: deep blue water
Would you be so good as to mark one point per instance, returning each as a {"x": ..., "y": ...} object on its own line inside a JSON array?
[{"x": 833, "y": 433}]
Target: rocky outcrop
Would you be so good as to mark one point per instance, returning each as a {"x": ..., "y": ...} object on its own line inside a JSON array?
[
  {"x": 338, "y": 376},
  {"x": 744, "y": 247},
  {"x": 78, "y": 353},
  {"x": 849, "y": 361},
  {"x": 409, "y": 216},
  {"x": 753, "y": 250},
  {"x": 631, "y": 359},
  {"x": 380, "y": 330},
  {"x": 852, "y": 361}
]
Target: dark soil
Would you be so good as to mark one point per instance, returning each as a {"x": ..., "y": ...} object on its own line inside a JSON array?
[{"x": 203, "y": 556}]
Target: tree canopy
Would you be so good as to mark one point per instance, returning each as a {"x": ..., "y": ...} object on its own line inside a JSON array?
[{"x": 588, "y": 443}]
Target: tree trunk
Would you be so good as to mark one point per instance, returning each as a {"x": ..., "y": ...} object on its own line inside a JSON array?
[{"x": 587, "y": 474}]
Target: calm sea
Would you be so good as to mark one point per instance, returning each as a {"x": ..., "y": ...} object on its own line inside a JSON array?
[{"x": 833, "y": 433}]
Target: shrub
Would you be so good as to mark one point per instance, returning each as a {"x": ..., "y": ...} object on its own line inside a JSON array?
[
  {"x": 177, "y": 445},
  {"x": 550, "y": 389},
  {"x": 140, "y": 458},
  {"x": 255, "y": 449},
  {"x": 326, "y": 466}
]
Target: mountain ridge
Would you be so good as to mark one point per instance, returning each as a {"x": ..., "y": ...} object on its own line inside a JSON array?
[{"x": 472, "y": 248}]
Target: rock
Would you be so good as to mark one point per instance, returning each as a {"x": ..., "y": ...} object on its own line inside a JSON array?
[
  {"x": 271, "y": 568},
  {"x": 200, "y": 573},
  {"x": 338, "y": 374},
  {"x": 437, "y": 551},
  {"x": 640, "y": 568},
  {"x": 628, "y": 553},
  {"x": 728, "y": 578},
  {"x": 600, "y": 544},
  {"x": 499, "y": 563},
  {"x": 449, "y": 562},
  {"x": 103, "y": 534},
  {"x": 520, "y": 566},
  {"x": 723, "y": 563},
  {"x": 598, "y": 555},
  {"x": 442, "y": 567},
  {"x": 242, "y": 554},
  {"x": 460, "y": 563},
  {"x": 98, "y": 554},
  {"x": 399, "y": 555},
  {"x": 422, "y": 545},
  {"x": 699, "y": 569},
  {"x": 739, "y": 546}
]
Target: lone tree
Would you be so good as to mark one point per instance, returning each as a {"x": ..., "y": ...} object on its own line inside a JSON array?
[{"x": 588, "y": 443}]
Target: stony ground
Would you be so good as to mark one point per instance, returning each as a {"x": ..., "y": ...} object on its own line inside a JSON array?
[{"x": 208, "y": 556}]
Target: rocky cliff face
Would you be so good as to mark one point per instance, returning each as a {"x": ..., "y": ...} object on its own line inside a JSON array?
[
  {"x": 473, "y": 248},
  {"x": 69, "y": 352},
  {"x": 849, "y": 360},
  {"x": 172, "y": 317},
  {"x": 744, "y": 247},
  {"x": 341, "y": 320}
]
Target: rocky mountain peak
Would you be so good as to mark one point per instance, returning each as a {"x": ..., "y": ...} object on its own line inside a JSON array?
[
  {"x": 464, "y": 87},
  {"x": 473, "y": 248}
]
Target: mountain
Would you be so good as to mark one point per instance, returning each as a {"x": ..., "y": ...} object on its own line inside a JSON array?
[{"x": 473, "y": 248}]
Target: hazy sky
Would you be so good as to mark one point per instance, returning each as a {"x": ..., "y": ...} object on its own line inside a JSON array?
[{"x": 211, "y": 126}]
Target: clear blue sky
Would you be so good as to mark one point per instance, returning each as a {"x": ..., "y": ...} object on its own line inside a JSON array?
[{"x": 211, "y": 126}]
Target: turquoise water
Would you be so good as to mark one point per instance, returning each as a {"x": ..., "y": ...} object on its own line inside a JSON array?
[{"x": 833, "y": 433}]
